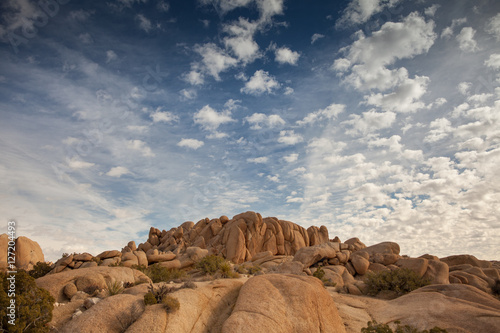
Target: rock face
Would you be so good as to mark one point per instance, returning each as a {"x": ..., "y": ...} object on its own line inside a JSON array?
[
  {"x": 293, "y": 304},
  {"x": 28, "y": 252},
  {"x": 87, "y": 278}
]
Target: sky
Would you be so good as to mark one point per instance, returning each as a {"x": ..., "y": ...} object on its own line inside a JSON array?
[{"x": 378, "y": 119}]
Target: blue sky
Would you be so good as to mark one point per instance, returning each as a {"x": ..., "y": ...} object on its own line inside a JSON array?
[{"x": 378, "y": 119}]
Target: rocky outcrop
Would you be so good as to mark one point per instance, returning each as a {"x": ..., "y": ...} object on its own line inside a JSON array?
[
  {"x": 293, "y": 304},
  {"x": 88, "y": 279},
  {"x": 27, "y": 252}
]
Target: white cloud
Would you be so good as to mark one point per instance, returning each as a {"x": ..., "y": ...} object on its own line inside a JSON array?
[
  {"x": 466, "y": 40},
  {"x": 288, "y": 91},
  {"x": 493, "y": 26},
  {"x": 404, "y": 99},
  {"x": 440, "y": 129},
  {"x": 194, "y": 77},
  {"x": 190, "y": 143},
  {"x": 144, "y": 23},
  {"x": 257, "y": 160},
  {"x": 368, "y": 57},
  {"x": 431, "y": 11},
  {"x": 214, "y": 60},
  {"x": 118, "y": 172},
  {"x": 291, "y": 158},
  {"x": 137, "y": 128},
  {"x": 479, "y": 98},
  {"x": 360, "y": 11},
  {"x": 274, "y": 179},
  {"x": 86, "y": 38},
  {"x": 369, "y": 121},
  {"x": 75, "y": 163},
  {"x": 110, "y": 56},
  {"x": 163, "y": 6},
  {"x": 290, "y": 138},
  {"x": 210, "y": 120},
  {"x": 258, "y": 120},
  {"x": 163, "y": 116},
  {"x": 284, "y": 55},
  {"x": 187, "y": 94},
  {"x": 493, "y": 61},
  {"x": 140, "y": 146},
  {"x": 240, "y": 40},
  {"x": 261, "y": 82},
  {"x": 463, "y": 87},
  {"x": 448, "y": 31},
  {"x": 328, "y": 113},
  {"x": 315, "y": 37}
]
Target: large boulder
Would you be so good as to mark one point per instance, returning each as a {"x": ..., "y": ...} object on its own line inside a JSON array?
[
  {"x": 112, "y": 315},
  {"x": 85, "y": 277},
  {"x": 28, "y": 253},
  {"x": 312, "y": 254},
  {"x": 418, "y": 265},
  {"x": 4, "y": 243},
  {"x": 465, "y": 259},
  {"x": 384, "y": 247},
  {"x": 293, "y": 304},
  {"x": 437, "y": 272}
]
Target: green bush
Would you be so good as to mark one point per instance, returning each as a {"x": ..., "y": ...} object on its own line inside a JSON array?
[
  {"x": 401, "y": 281},
  {"x": 216, "y": 266},
  {"x": 114, "y": 287},
  {"x": 170, "y": 303},
  {"x": 149, "y": 299},
  {"x": 244, "y": 269},
  {"x": 34, "y": 305},
  {"x": 40, "y": 269},
  {"x": 320, "y": 274},
  {"x": 158, "y": 273},
  {"x": 496, "y": 288},
  {"x": 210, "y": 264},
  {"x": 374, "y": 327}
]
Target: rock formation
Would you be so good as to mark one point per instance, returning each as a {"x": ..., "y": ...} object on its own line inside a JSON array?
[{"x": 27, "y": 252}]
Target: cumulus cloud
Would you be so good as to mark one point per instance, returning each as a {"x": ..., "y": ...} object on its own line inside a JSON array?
[
  {"x": 257, "y": 160},
  {"x": 493, "y": 26},
  {"x": 431, "y": 11},
  {"x": 493, "y": 61},
  {"x": 406, "y": 97},
  {"x": 448, "y": 31},
  {"x": 440, "y": 129},
  {"x": 261, "y": 82},
  {"x": 190, "y": 143},
  {"x": 259, "y": 120},
  {"x": 328, "y": 113},
  {"x": 214, "y": 60},
  {"x": 463, "y": 87},
  {"x": 163, "y": 116},
  {"x": 193, "y": 77},
  {"x": 210, "y": 120},
  {"x": 110, "y": 56},
  {"x": 369, "y": 121},
  {"x": 117, "y": 172},
  {"x": 284, "y": 55},
  {"x": 291, "y": 158},
  {"x": 290, "y": 137},
  {"x": 274, "y": 179},
  {"x": 368, "y": 57},
  {"x": 144, "y": 22},
  {"x": 360, "y": 11},
  {"x": 140, "y": 146},
  {"x": 466, "y": 40},
  {"x": 315, "y": 37},
  {"x": 76, "y": 163}
]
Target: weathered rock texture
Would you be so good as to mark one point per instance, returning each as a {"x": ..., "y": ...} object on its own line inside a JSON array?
[{"x": 27, "y": 252}]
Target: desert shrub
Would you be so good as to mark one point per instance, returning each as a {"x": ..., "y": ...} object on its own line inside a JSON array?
[
  {"x": 158, "y": 273},
  {"x": 401, "y": 281},
  {"x": 40, "y": 269},
  {"x": 170, "y": 303},
  {"x": 244, "y": 269},
  {"x": 189, "y": 285},
  {"x": 254, "y": 269},
  {"x": 496, "y": 288},
  {"x": 34, "y": 305},
  {"x": 210, "y": 264},
  {"x": 216, "y": 266},
  {"x": 114, "y": 287},
  {"x": 374, "y": 327},
  {"x": 320, "y": 274},
  {"x": 149, "y": 299}
]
